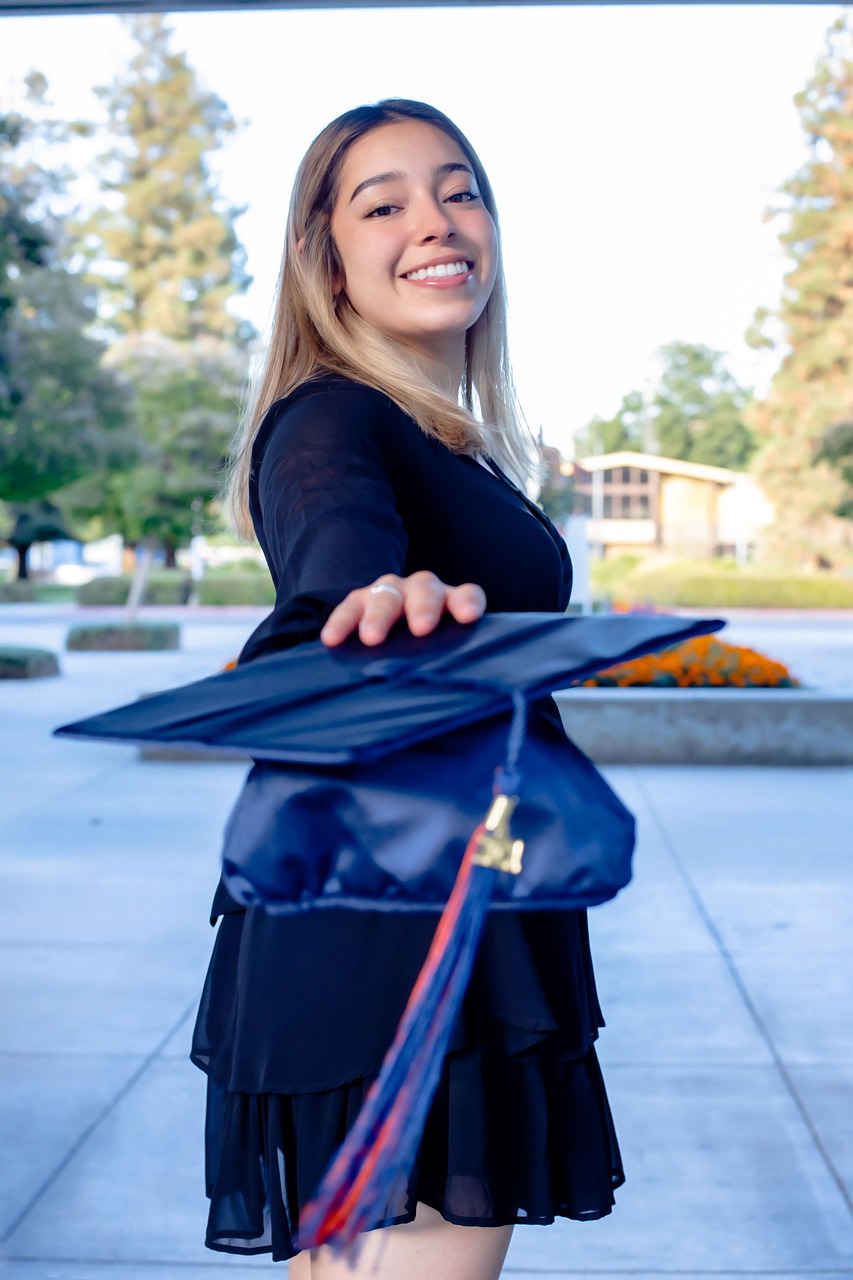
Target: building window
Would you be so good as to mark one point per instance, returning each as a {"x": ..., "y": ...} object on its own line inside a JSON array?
[
  {"x": 608, "y": 475},
  {"x": 608, "y": 506},
  {"x": 644, "y": 506},
  {"x": 644, "y": 477},
  {"x": 626, "y": 475},
  {"x": 626, "y": 504}
]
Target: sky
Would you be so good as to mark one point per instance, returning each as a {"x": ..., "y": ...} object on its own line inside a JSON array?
[{"x": 633, "y": 150}]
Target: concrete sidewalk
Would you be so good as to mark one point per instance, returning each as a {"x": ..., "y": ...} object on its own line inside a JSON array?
[{"x": 725, "y": 972}]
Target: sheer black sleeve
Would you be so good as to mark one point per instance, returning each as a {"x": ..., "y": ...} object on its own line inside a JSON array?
[{"x": 324, "y": 508}]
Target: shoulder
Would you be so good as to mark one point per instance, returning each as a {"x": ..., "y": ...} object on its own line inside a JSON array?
[{"x": 329, "y": 411}]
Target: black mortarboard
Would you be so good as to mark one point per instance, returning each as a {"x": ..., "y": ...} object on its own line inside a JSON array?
[{"x": 374, "y": 770}]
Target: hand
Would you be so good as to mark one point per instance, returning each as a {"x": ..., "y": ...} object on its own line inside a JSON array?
[{"x": 421, "y": 597}]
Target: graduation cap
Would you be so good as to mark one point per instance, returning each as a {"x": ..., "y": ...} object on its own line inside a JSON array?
[{"x": 429, "y": 773}]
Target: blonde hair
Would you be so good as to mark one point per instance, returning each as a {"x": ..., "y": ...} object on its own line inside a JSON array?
[{"x": 313, "y": 332}]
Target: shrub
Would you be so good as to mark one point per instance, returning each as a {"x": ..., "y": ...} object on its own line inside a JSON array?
[
  {"x": 18, "y": 592},
  {"x": 27, "y": 664},
  {"x": 251, "y": 588},
  {"x": 168, "y": 586},
  {"x": 699, "y": 663},
  {"x": 246, "y": 564},
  {"x": 704, "y": 586},
  {"x": 123, "y": 639}
]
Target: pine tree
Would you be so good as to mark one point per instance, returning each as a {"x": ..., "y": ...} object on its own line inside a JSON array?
[
  {"x": 164, "y": 246},
  {"x": 812, "y": 391}
]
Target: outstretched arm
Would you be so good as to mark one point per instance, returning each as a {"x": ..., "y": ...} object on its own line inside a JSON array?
[{"x": 331, "y": 530}]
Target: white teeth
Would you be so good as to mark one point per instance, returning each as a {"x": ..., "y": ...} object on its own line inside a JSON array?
[{"x": 440, "y": 272}]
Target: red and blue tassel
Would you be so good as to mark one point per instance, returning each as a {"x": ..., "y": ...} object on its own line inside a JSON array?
[{"x": 369, "y": 1171}]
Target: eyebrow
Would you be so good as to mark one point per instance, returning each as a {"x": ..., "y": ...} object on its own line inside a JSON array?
[{"x": 453, "y": 166}]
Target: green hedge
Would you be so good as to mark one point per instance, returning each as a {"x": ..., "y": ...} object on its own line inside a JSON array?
[
  {"x": 235, "y": 588},
  {"x": 18, "y": 592},
  {"x": 708, "y": 588},
  {"x": 27, "y": 664},
  {"x": 140, "y": 637},
  {"x": 167, "y": 586}
]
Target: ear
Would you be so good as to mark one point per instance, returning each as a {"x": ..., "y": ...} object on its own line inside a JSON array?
[{"x": 299, "y": 245}]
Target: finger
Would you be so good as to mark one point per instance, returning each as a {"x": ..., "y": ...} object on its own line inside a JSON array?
[
  {"x": 426, "y": 598},
  {"x": 344, "y": 618},
  {"x": 466, "y": 603},
  {"x": 384, "y": 605}
]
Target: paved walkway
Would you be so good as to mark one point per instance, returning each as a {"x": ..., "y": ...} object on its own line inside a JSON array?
[{"x": 725, "y": 971}]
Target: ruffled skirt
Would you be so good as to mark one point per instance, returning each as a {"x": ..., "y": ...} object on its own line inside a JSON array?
[{"x": 295, "y": 1017}]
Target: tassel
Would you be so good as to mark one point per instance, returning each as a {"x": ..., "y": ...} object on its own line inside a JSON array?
[
  {"x": 370, "y": 1168},
  {"x": 375, "y": 1157}
]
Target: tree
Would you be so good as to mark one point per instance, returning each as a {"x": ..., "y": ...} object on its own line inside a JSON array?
[
  {"x": 627, "y": 429},
  {"x": 61, "y": 413},
  {"x": 23, "y": 242},
  {"x": 185, "y": 407},
  {"x": 696, "y": 412},
  {"x": 698, "y": 408},
  {"x": 813, "y": 328},
  {"x": 164, "y": 247},
  {"x": 837, "y": 449}
]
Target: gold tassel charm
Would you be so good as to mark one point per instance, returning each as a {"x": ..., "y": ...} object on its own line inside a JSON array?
[{"x": 496, "y": 847}]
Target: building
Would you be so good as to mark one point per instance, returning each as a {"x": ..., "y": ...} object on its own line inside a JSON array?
[{"x": 640, "y": 503}]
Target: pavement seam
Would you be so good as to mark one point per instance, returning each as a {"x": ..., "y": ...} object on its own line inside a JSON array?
[
  {"x": 751, "y": 1008},
  {"x": 94, "y": 1124}
]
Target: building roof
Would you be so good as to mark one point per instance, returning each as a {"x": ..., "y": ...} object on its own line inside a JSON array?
[{"x": 654, "y": 462}]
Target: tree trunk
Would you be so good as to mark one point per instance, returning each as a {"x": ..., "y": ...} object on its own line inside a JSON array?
[
  {"x": 170, "y": 551},
  {"x": 144, "y": 559},
  {"x": 23, "y": 569}
]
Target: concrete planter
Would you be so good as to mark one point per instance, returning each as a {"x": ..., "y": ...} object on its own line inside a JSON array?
[{"x": 709, "y": 726}]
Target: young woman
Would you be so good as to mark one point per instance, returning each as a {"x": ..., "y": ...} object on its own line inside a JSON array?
[{"x": 382, "y": 469}]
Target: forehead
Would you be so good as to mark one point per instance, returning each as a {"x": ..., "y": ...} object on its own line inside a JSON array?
[{"x": 410, "y": 147}]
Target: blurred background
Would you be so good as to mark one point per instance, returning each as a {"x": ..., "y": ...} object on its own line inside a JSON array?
[{"x": 675, "y": 186}]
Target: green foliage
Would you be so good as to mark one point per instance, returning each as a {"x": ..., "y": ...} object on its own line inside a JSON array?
[
  {"x": 164, "y": 247},
  {"x": 61, "y": 413},
  {"x": 236, "y": 588},
  {"x": 837, "y": 450},
  {"x": 27, "y": 664},
  {"x": 19, "y": 591},
  {"x": 812, "y": 391},
  {"x": 186, "y": 406},
  {"x": 148, "y": 636},
  {"x": 696, "y": 413},
  {"x": 698, "y": 409},
  {"x": 629, "y": 428},
  {"x": 694, "y": 584},
  {"x": 70, "y": 415},
  {"x": 164, "y": 587}
]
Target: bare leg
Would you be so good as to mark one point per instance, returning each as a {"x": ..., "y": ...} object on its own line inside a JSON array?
[
  {"x": 424, "y": 1249},
  {"x": 299, "y": 1268}
]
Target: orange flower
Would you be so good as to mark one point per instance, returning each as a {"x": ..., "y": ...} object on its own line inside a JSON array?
[{"x": 701, "y": 662}]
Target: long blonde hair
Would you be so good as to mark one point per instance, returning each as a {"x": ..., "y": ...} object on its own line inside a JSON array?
[{"x": 312, "y": 333}]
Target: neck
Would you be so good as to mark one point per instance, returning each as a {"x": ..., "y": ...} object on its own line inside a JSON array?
[{"x": 443, "y": 363}]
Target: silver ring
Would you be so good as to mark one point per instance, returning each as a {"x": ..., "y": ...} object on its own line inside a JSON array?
[{"x": 386, "y": 586}]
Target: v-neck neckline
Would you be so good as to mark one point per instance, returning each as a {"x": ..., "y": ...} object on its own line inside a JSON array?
[{"x": 502, "y": 478}]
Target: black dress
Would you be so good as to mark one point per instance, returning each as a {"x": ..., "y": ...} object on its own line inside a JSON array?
[{"x": 297, "y": 1012}]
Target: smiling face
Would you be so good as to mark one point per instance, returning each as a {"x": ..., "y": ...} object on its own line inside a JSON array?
[{"x": 417, "y": 246}]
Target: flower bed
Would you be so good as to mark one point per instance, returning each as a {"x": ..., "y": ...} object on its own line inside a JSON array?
[{"x": 703, "y": 662}]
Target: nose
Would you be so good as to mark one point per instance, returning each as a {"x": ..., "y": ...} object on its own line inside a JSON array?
[{"x": 434, "y": 223}]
